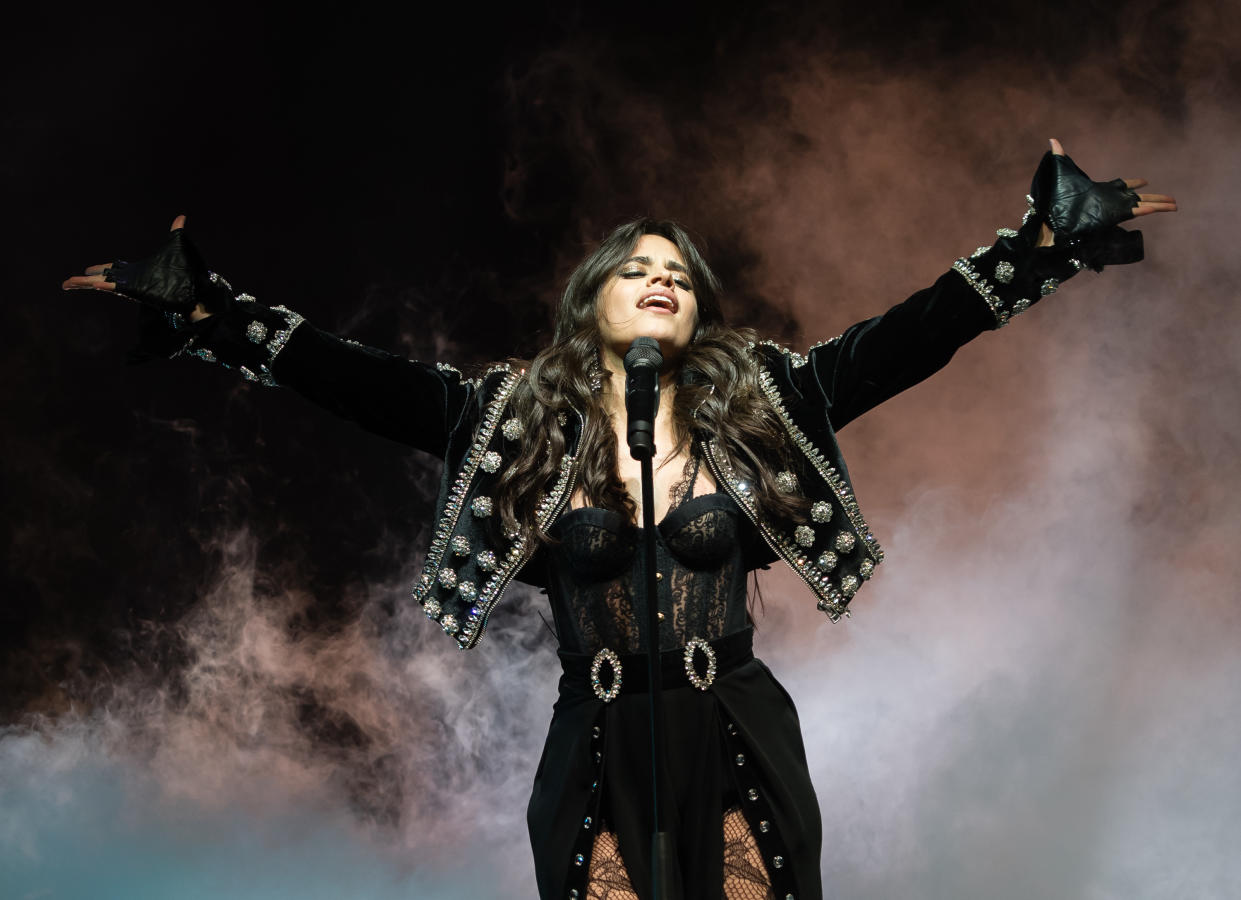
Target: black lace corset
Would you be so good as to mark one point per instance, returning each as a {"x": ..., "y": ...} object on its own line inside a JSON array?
[{"x": 701, "y": 549}]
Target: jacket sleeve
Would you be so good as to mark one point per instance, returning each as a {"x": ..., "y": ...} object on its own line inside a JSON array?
[
  {"x": 882, "y": 356},
  {"x": 406, "y": 401}
]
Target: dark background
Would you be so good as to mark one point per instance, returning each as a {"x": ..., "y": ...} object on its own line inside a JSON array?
[{"x": 423, "y": 181}]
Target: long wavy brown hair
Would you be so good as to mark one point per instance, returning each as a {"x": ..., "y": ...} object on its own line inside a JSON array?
[{"x": 717, "y": 394}]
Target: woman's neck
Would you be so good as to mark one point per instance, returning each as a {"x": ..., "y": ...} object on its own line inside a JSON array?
[{"x": 614, "y": 392}]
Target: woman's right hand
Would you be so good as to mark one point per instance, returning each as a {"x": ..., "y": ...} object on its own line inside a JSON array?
[{"x": 174, "y": 280}]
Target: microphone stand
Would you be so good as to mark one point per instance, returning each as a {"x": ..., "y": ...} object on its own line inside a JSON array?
[{"x": 642, "y": 363}]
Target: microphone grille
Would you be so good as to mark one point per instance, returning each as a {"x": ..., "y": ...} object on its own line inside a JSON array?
[{"x": 644, "y": 351}]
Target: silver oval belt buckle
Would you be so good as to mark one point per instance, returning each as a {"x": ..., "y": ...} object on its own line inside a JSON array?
[
  {"x": 702, "y": 682},
  {"x": 607, "y": 695}
]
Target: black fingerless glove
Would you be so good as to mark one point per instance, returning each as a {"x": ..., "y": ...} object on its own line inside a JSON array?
[
  {"x": 1084, "y": 214},
  {"x": 175, "y": 280},
  {"x": 239, "y": 333},
  {"x": 1014, "y": 273}
]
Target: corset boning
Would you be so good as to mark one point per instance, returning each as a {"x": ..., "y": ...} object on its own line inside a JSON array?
[{"x": 700, "y": 550}]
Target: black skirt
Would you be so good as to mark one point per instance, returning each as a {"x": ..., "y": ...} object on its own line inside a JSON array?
[{"x": 737, "y": 744}]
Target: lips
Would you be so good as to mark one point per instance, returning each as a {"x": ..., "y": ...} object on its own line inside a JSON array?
[{"x": 659, "y": 300}]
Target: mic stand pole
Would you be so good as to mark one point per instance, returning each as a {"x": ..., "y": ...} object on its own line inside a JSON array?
[
  {"x": 642, "y": 364},
  {"x": 663, "y": 858}
]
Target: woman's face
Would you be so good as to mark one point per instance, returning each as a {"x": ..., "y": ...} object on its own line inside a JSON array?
[{"x": 649, "y": 295}]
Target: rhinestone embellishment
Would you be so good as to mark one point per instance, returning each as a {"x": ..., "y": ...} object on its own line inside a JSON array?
[
  {"x": 481, "y": 506},
  {"x": 1048, "y": 287},
  {"x": 486, "y": 561},
  {"x": 1004, "y": 271},
  {"x": 467, "y": 590},
  {"x": 433, "y": 609},
  {"x": 513, "y": 429},
  {"x": 804, "y": 535},
  {"x": 460, "y": 545},
  {"x": 491, "y": 462},
  {"x": 449, "y": 624},
  {"x": 256, "y": 331},
  {"x": 827, "y": 561},
  {"x": 845, "y": 541},
  {"x": 607, "y": 695},
  {"x": 849, "y": 585},
  {"x": 821, "y": 511},
  {"x": 448, "y": 578},
  {"x": 866, "y": 569},
  {"x": 702, "y": 682},
  {"x": 1006, "y": 232},
  {"x": 787, "y": 482}
]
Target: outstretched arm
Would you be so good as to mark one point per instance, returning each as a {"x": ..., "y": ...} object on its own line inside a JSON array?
[
  {"x": 1071, "y": 224},
  {"x": 190, "y": 311}
]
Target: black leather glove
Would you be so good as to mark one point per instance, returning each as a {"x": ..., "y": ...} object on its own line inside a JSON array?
[
  {"x": 175, "y": 280},
  {"x": 1084, "y": 215}
]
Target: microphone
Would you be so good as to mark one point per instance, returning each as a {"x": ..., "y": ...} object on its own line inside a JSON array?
[{"x": 642, "y": 364}]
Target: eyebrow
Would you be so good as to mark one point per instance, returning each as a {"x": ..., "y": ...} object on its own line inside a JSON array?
[{"x": 672, "y": 264}]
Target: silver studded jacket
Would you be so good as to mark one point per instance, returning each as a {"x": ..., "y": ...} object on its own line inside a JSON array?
[{"x": 468, "y": 422}]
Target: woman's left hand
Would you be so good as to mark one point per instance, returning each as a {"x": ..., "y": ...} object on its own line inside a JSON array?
[{"x": 1147, "y": 203}]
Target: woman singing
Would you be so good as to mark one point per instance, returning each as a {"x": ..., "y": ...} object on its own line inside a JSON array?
[{"x": 747, "y": 471}]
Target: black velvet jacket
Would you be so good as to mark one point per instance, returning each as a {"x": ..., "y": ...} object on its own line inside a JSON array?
[{"x": 467, "y": 422}]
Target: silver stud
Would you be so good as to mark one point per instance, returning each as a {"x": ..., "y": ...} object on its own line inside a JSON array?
[
  {"x": 562, "y": 418},
  {"x": 481, "y": 506},
  {"x": 804, "y": 535},
  {"x": 821, "y": 511},
  {"x": 586, "y": 823},
  {"x": 579, "y": 860},
  {"x": 827, "y": 561},
  {"x": 778, "y": 862},
  {"x": 764, "y": 826},
  {"x": 752, "y": 793},
  {"x": 491, "y": 462},
  {"x": 845, "y": 541},
  {"x": 741, "y": 759},
  {"x": 513, "y": 429},
  {"x": 460, "y": 545}
]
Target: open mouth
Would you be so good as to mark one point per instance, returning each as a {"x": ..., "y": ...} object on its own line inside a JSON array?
[{"x": 658, "y": 301}]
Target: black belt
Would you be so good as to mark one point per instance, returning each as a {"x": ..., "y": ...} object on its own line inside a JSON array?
[{"x": 698, "y": 663}]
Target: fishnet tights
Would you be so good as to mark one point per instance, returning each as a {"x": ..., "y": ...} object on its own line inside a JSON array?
[{"x": 745, "y": 875}]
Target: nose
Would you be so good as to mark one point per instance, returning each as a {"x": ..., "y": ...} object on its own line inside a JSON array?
[{"x": 658, "y": 276}]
